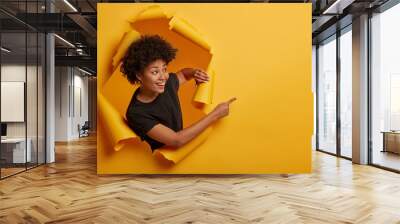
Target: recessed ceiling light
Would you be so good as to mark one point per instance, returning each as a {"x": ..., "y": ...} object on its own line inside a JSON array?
[
  {"x": 64, "y": 40},
  {"x": 5, "y": 50},
  {"x": 337, "y": 7},
  {"x": 84, "y": 71},
  {"x": 70, "y": 5}
]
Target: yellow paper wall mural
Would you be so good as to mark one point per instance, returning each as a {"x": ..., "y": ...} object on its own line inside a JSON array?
[{"x": 259, "y": 53}]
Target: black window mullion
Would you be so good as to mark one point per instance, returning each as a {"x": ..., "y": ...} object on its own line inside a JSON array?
[
  {"x": 317, "y": 97},
  {"x": 369, "y": 90},
  {"x": 44, "y": 72},
  {"x": 338, "y": 92},
  {"x": 73, "y": 92},
  {"x": 26, "y": 87},
  {"x": 37, "y": 90}
]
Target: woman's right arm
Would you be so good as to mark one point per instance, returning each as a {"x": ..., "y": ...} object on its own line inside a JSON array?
[{"x": 174, "y": 139}]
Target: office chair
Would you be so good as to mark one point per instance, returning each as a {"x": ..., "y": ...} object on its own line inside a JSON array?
[{"x": 84, "y": 130}]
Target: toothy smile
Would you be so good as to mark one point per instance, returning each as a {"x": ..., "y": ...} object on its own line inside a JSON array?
[{"x": 160, "y": 84}]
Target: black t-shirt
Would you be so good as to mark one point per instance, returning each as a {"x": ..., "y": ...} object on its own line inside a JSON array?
[{"x": 165, "y": 109}]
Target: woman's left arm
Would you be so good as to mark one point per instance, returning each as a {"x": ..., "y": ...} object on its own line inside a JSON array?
[{"x": 186, "y": 74}]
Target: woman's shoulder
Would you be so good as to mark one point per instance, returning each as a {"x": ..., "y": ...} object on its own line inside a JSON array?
[
  {"x": 173, "y": 76},
  {"x": 134, "y": 107},
  {"x": 173, "y": 81}
]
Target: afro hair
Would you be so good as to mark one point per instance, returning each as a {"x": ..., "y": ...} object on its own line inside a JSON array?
[{"x": 143, "y": 52}]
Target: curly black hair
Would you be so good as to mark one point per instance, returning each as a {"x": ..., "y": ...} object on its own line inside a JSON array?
[{"x": 144, "y": 51}]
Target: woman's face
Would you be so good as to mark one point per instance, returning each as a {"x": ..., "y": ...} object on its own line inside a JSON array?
[{"x": 154, "y": 76}]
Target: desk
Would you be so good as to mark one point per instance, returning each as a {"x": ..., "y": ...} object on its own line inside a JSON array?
[
  {"x": 15, "y": 148},
  {"x": 391, "y": 141}
]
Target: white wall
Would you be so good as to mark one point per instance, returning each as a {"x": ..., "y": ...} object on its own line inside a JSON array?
[
  {"x": 62, "y": 78},
  {"x": 33, "y": 127},
  {"x": 71, "y": 93},
  {"x": 80, "y": 84},
  {"x": 314, "y": 87},
  {"x": 12, "y": 73}
]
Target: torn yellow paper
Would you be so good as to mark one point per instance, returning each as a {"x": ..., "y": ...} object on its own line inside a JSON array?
[
  {"x": 127, "y": 40},
  {"x": 228, "y": 149},
  {"x": 151, "y": 12},
  {"x": 118, "y": 90},
  {"x": 176, "y": 155},
  {"x": 187, "y": 30},
  {"x": 204, "y": 91},
  {"x": 118, "y": 131}
]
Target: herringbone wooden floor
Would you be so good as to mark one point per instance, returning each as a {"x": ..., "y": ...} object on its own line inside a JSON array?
[{"x": 69, "y": 191}]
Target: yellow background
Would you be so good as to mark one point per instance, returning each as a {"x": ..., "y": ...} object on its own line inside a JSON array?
[{"x": 262, "y": 56}]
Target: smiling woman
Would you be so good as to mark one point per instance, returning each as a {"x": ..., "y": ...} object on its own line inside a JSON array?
[{"x": 154, "y": 112}]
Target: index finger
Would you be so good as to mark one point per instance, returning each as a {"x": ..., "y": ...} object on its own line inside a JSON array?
[{"x": 231, "y": 100}]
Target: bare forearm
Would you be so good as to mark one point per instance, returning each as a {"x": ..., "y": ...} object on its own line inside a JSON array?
[
  {"x": 171, "y": 138},
  {"x": 187, "y": 134}
]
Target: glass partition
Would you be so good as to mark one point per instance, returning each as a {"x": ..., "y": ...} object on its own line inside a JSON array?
[
  {"x": 346, "y": 93},
  {"x": 22, "y": 88},
  {"x": 385, "y": 89},
  {"x": 327, "y": 95},
  {"x": 14, "y": 153}
]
